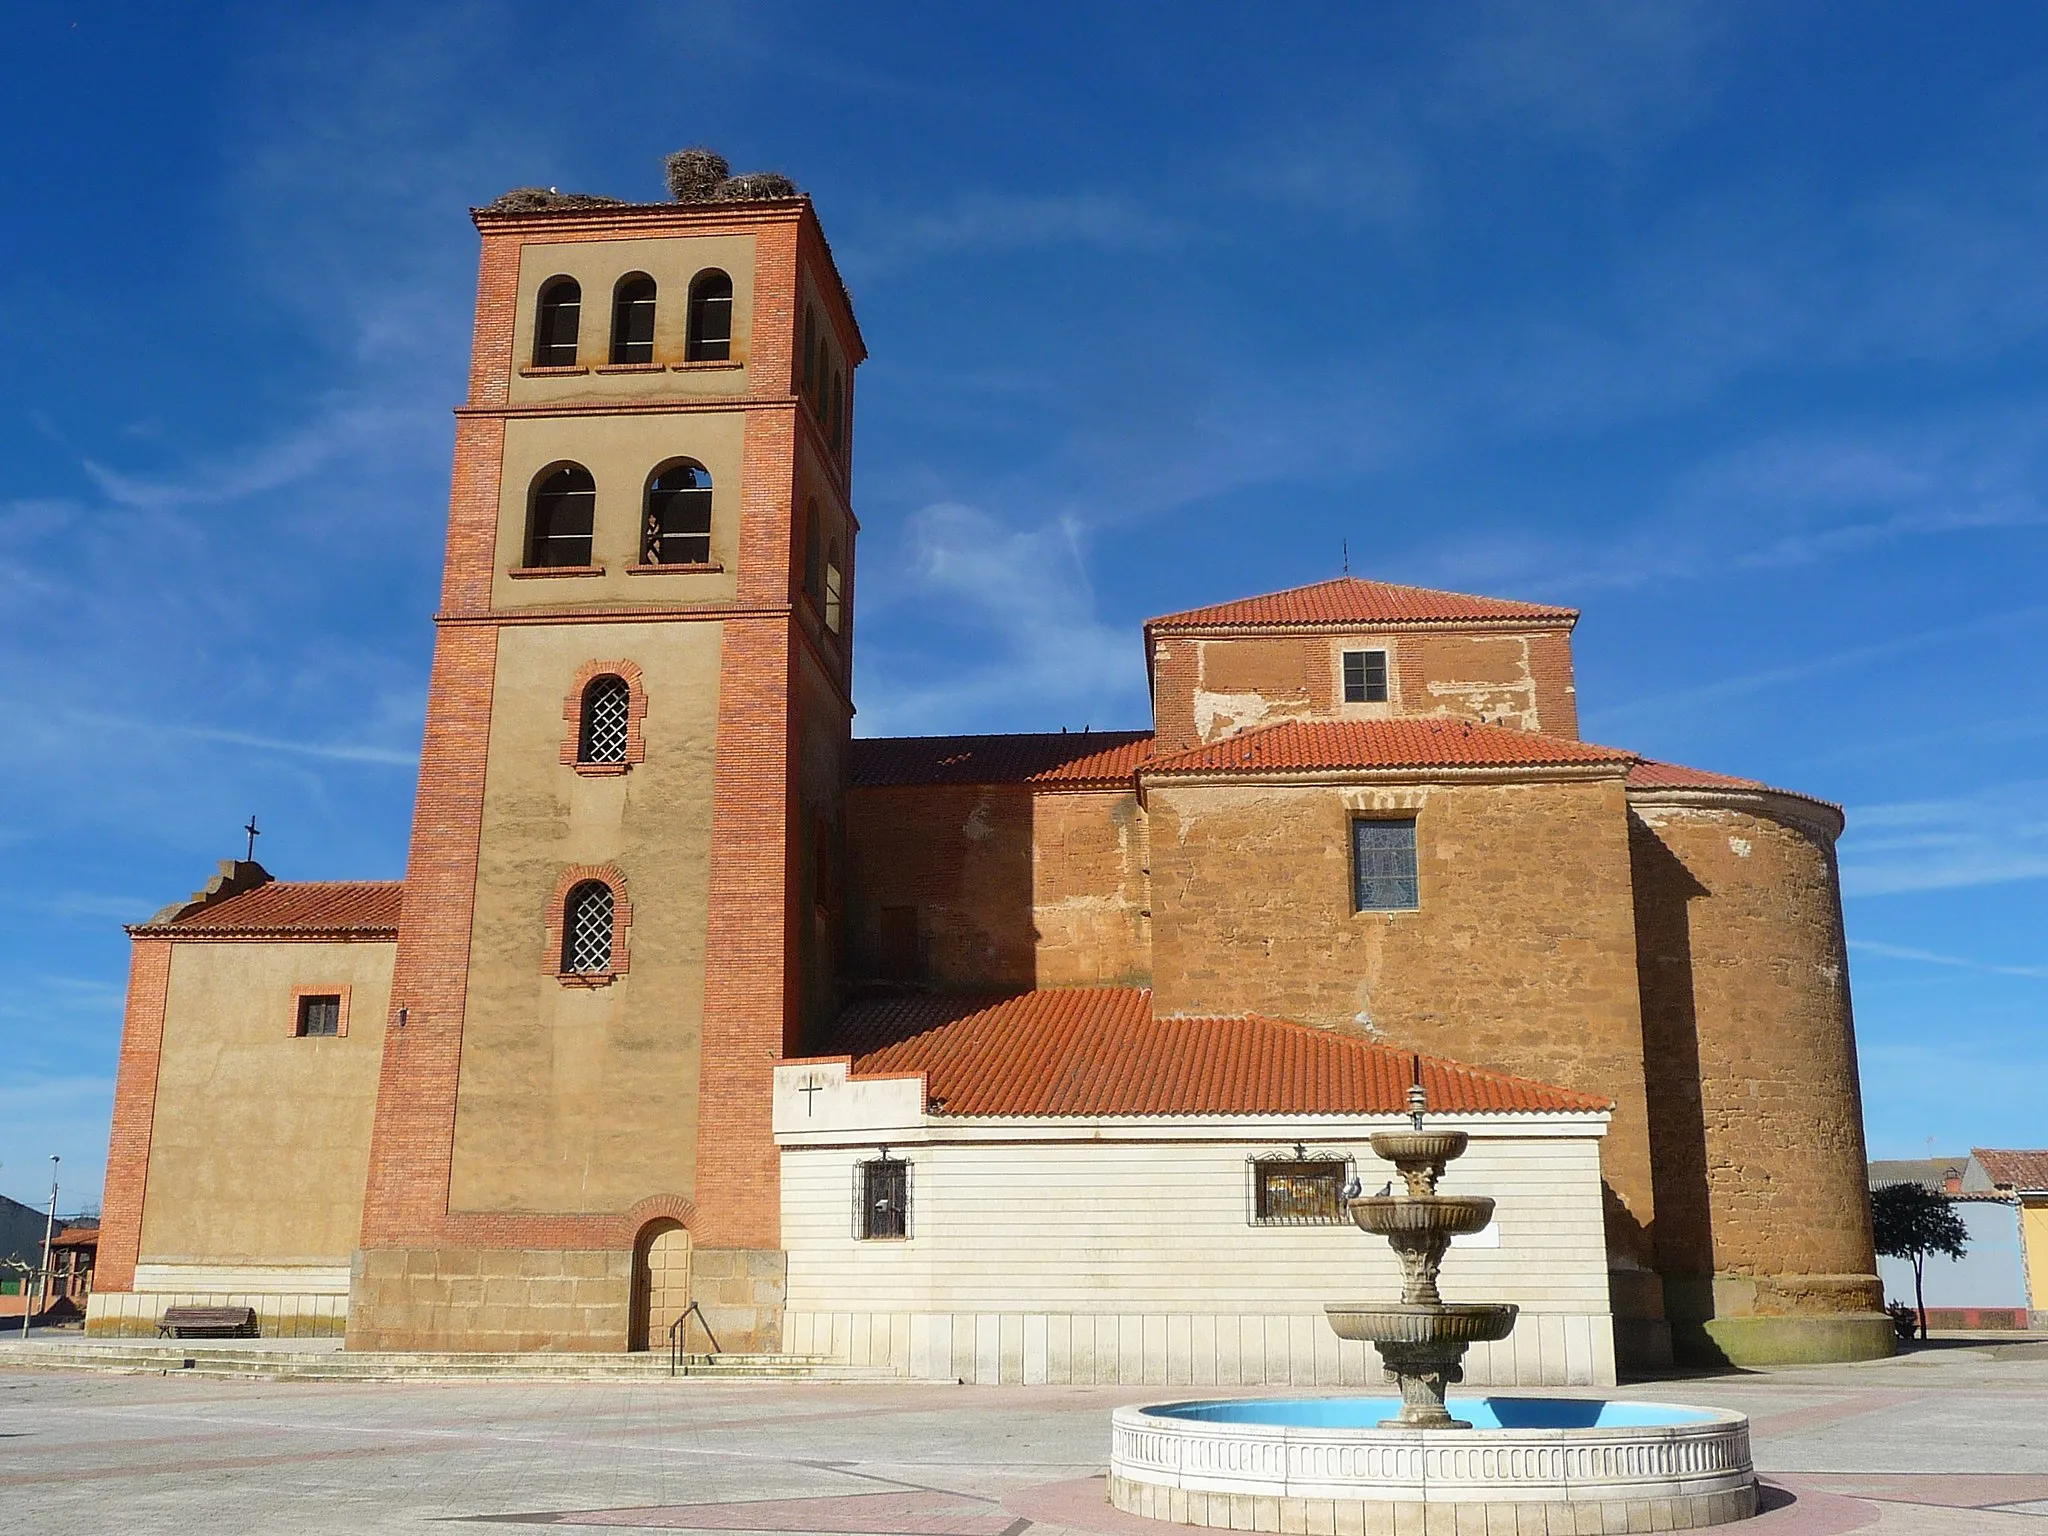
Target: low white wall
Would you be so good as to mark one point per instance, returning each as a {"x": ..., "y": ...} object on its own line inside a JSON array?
[
  {"x": 1180, "y": 1349},
  {"x": 1122, "y": 1253}
]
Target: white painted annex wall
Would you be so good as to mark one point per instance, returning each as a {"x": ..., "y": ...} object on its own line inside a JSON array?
[{"x": 1122, "y": 1253}]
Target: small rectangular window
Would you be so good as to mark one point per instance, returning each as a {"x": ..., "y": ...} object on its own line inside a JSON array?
[
  {"x": 882, "y": 1199},
  {"x": 1365, "y": 677},
  {"x": 319, "y": 1013},
  {"x": 1383, "y": 866},
  {"x": 1299, "y": 1193}
]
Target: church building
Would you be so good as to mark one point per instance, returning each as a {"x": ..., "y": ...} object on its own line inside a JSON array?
[{"x": 1042, "y": 1057}]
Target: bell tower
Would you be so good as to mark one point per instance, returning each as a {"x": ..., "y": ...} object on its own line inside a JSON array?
[{"x": 621, "y": 898}]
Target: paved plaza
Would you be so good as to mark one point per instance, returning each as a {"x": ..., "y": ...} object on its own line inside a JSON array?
[{"x": 1952, "y": 1438}]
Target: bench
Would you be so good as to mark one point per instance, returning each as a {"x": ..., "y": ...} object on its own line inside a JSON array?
[{"x": 208, "y": 1323}]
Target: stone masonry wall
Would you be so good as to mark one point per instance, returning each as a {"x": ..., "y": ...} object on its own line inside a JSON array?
[
  {"x": 1756, "y": 1108},
  {"x": 1520, "y": 958},
  {"x": 1011, "y": 887},
  {"x": 489, "y": 1299}
]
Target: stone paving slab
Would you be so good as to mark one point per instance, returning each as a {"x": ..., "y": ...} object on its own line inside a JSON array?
[{"x": 1948, "y": 1440}]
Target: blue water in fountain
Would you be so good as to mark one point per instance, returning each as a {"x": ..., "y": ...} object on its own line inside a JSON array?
[{"x": 1484, "y": 1412}]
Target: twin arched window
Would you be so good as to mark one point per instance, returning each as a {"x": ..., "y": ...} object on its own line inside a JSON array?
[
  {"x": 556, "y": 324},
  {"x": 675, "y": 517},
  {"x": 587, "y": 930},
  {"x": 708, "y": 326},
  {"x": 563, "y": 514}
]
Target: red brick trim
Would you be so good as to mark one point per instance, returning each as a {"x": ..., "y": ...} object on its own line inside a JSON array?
[
  {"x": 412, "y": 1144},
  {"x": 142, "y": 1040},
  {"x": 572, "y": 716},
  {"x": 540, "y": 572},
  {"x": 622, "y": 925},
  {"x": 340, "y": 988}
]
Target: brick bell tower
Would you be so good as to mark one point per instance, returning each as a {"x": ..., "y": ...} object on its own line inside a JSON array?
[{"x": 621, "y": 899}]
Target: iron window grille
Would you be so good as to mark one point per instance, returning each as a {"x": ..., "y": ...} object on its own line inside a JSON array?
[
  {"x": 710, "y": 328},
  {"x": 1365, "y": 677},
  {"x": 633, "y": 319},
  {"x": 564, "y": 512},
  {"x": 1383, "y": 874},
  {"x": 587, "y": 933},
  {"x": 320, "y": 1015},
  {"x": 881, "y": 1199},
  {"x": 607, "y": 710},
  {"x": 678, "y": 525},
  {"x": 1299, "y": 1191},
  {"x": 556, "y": 323}
]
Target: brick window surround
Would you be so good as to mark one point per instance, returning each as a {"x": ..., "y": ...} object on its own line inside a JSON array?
[
  {"x": 572, "y": 720},
  {"x": 622, "y": 923},
  {"x": 331, "y": 989}
]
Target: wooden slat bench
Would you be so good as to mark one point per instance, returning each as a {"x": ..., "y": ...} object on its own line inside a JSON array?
[{"x": 208, "y": 1323}]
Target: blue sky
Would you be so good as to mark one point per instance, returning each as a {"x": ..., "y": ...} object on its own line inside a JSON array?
[{"x": 1722, "y": 322}]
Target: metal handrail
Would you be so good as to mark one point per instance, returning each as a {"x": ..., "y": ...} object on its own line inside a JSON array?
[{"x": 675, "y": 1337}]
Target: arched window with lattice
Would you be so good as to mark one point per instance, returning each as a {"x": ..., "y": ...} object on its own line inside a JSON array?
[
  {"x": 601, "y": 717},
  {"x": 607, "y": 706},
  {"x": 587, "y": 930}
]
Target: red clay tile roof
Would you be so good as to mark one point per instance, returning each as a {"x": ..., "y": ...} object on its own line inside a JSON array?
[
  {"x": 1077, "y": 760},
  {"x": 1418, "y": 741},
  {"x": 1099, "y": 1051},
  {"x": 1650, "y": 775},
  {"x": 357, "y": 908},
  {"x": 2026, "y": 1170},
  {"x": 1353, "y": 600}
]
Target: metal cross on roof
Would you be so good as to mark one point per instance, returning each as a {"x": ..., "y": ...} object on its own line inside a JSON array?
[{"x": 253, "y": 835}]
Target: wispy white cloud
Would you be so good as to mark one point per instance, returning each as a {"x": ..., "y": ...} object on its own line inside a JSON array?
[
  {"x": 1017, "y": 632},
  {"x": 1993, "y": 836},
  {"x": 1958, "y": 962}
]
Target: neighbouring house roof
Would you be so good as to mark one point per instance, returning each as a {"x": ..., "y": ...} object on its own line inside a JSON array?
[
  {"x": 77, "y": 1237},
  {"x": 1933, "y": 1172},
  {"x": 1086, "y": 759},
  {"x": 1427, "y": 741},
  {"x": 290, "y": 908},
  {"x": 1100, "y": 1051},
  {"x": 2019, "y": 1170},
  {"x": 1352, "y": 600}
]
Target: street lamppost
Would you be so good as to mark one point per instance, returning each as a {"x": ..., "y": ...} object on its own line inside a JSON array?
[{"x": 42, "y": 1294}]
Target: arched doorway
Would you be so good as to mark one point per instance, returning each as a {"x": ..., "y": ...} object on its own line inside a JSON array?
[{"x": 661, "y": 1282}]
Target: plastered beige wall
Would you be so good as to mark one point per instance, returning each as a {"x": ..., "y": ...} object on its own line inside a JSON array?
[
  {"x": 2034, "y": 1243},
  {"x": 598, "y": 265},
  {"x": 620, "y": 452},
  {"x": 574, "y": 1098},
  {"x": 261, "y": 1142}
]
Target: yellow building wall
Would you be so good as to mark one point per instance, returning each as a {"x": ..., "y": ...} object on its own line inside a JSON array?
[
  {"x": 579, "y": 1098},
  {"x": 261, "y": 1141},
  {"x": 2034, "y": 1248}
]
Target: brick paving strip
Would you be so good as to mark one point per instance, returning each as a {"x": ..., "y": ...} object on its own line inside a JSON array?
[{"x": 857, "y": 1514}]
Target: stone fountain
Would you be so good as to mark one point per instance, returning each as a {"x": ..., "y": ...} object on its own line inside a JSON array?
[
  {"x": 1422, "y": 1338},
  {"x": 1556, "y": 1465}
]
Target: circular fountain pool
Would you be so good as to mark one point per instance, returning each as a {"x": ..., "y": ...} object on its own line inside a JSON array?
[{"x": 1527, "y": 1464}]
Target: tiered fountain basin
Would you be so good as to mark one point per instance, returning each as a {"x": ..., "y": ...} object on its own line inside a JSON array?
[{"x": 1544, "y": 1465}]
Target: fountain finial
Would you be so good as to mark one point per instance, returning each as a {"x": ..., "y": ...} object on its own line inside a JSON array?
[{"x": 1418, "y": 1096}]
